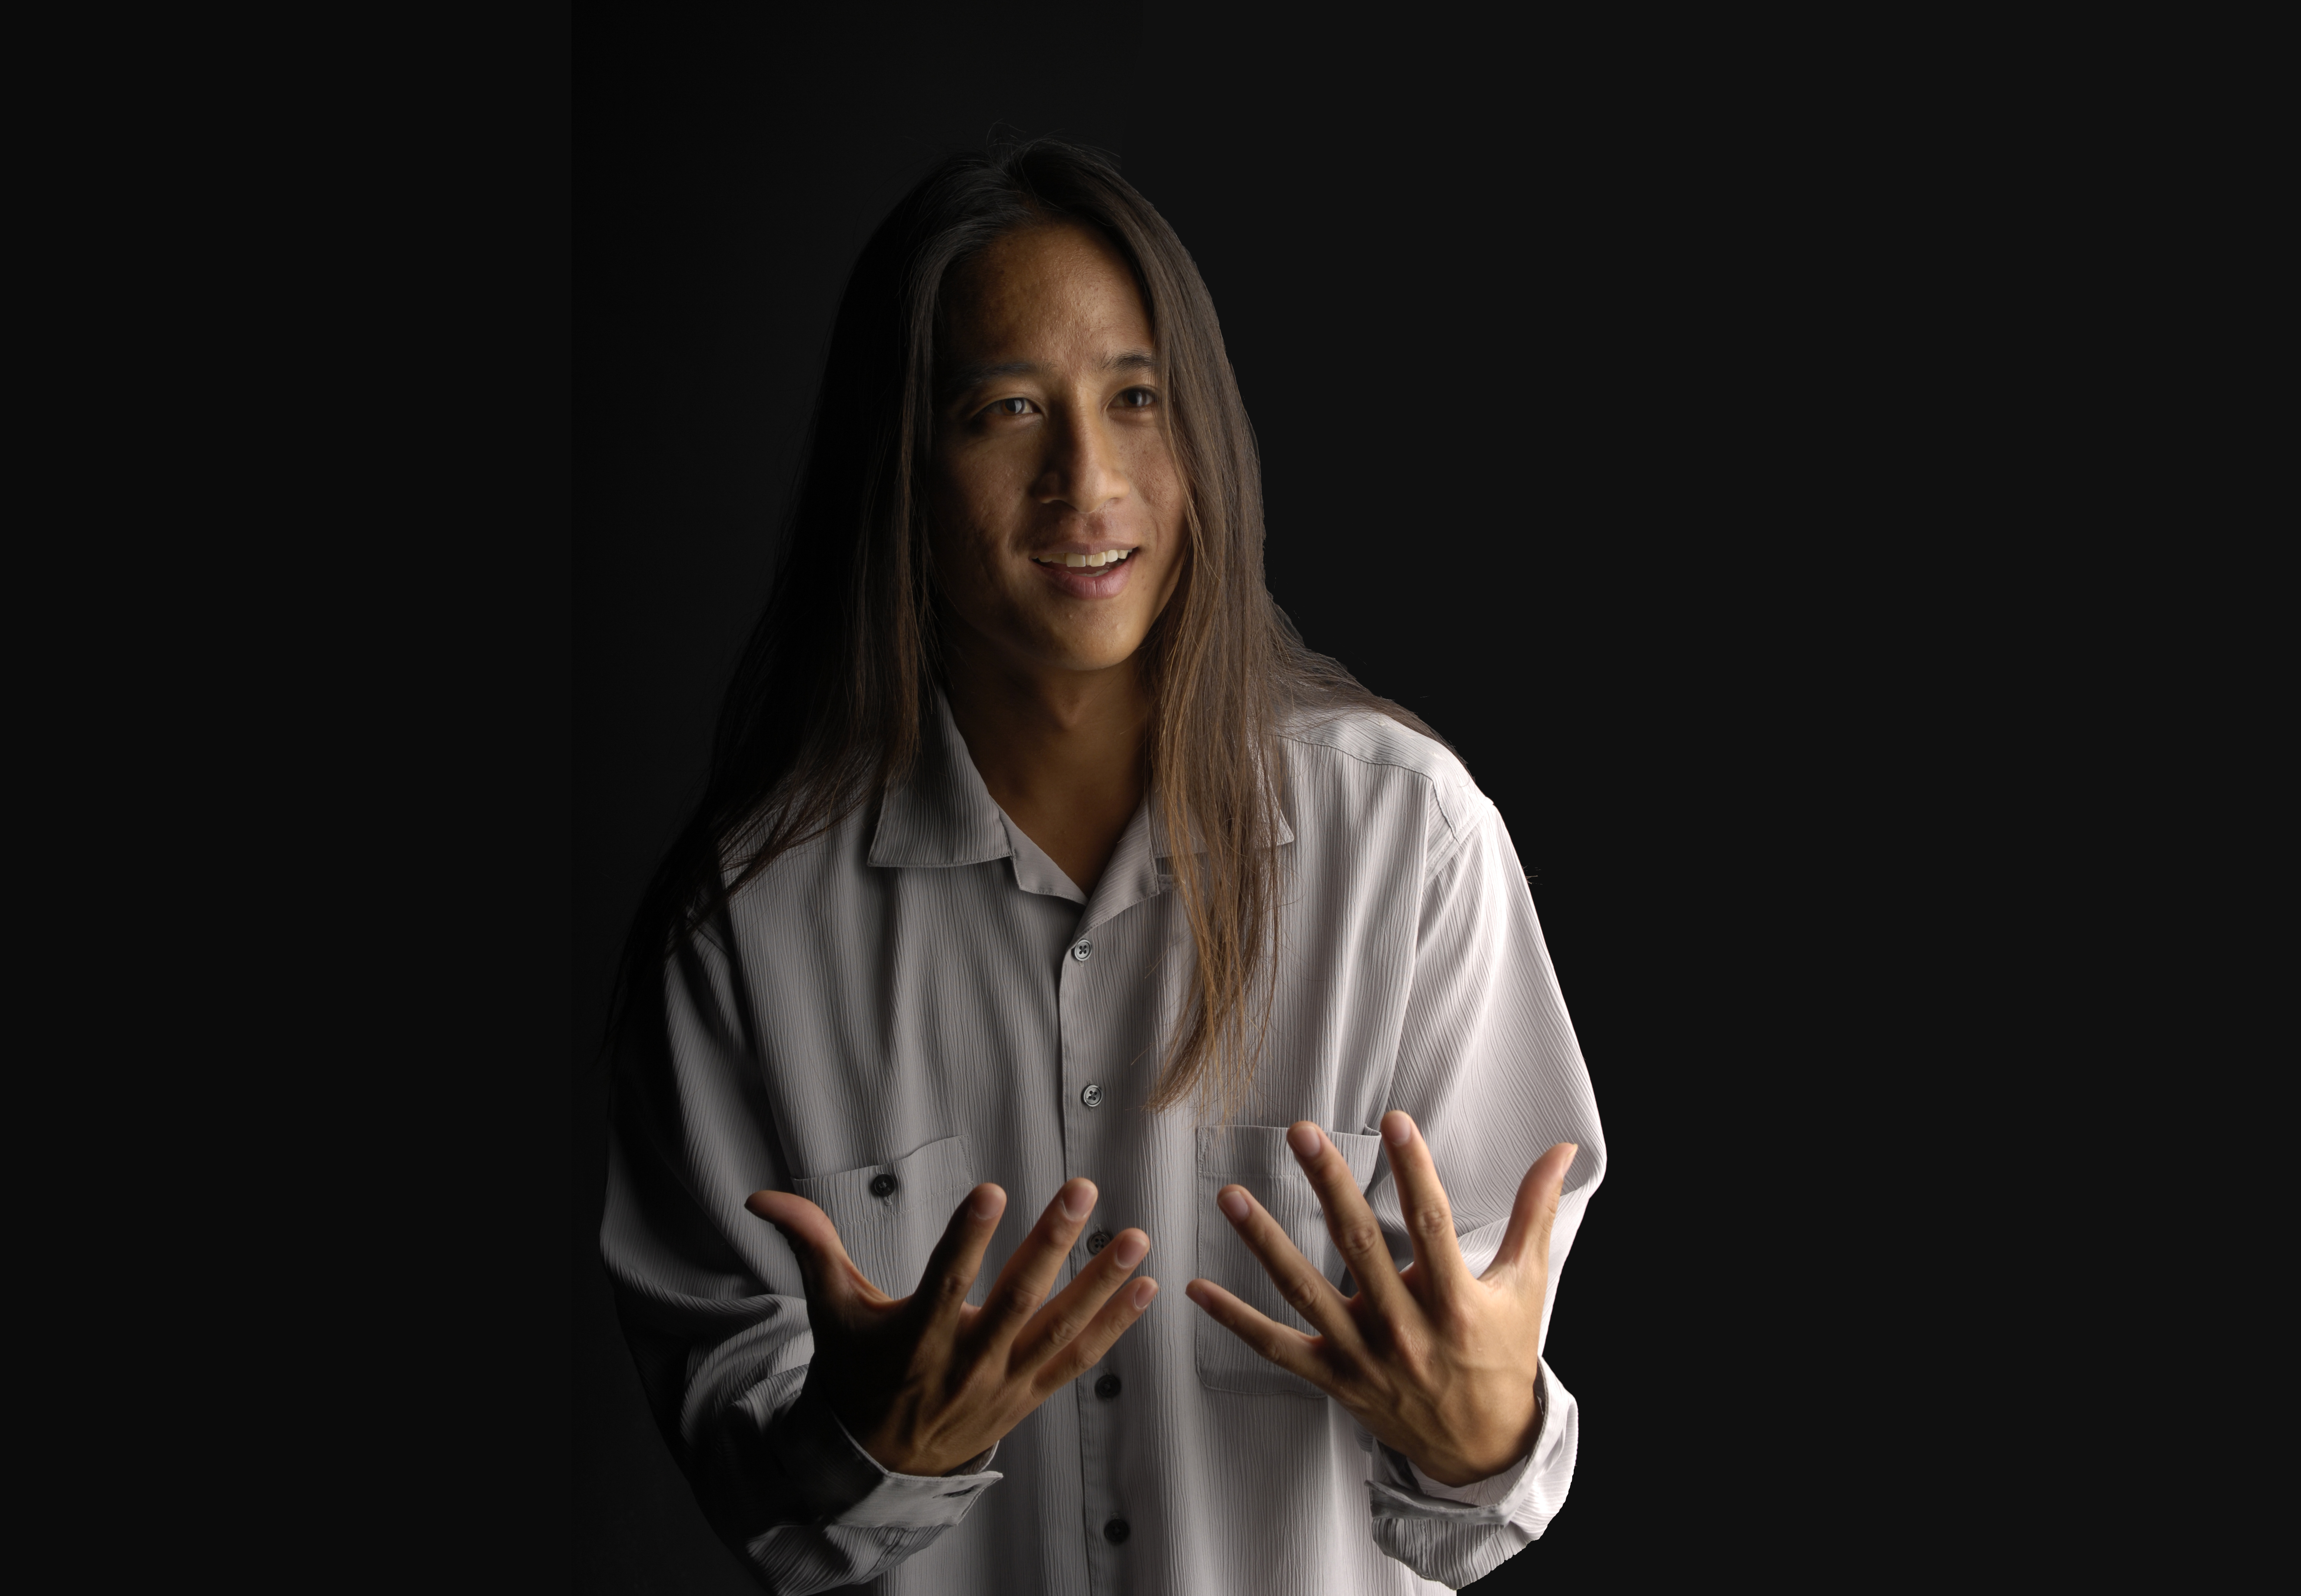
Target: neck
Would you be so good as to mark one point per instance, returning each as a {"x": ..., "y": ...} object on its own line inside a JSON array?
[{"x": 1061, "y": 751}]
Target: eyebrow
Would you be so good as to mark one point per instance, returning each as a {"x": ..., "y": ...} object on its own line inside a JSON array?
[
  {"x": 973, "y": 375},
  {"x": 963, "y": 377}
]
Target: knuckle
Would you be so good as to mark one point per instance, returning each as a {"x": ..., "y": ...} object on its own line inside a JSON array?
[
  {"x": 1065, "y": 1327},
  {"x": 1411, "y": 1346},
  {"x": 1433, "y": 1222},
  {"x": 1358, "y": 1237}
]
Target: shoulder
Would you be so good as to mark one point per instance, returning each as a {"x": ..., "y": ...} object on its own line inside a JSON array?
[
  {"x": 825, "y": 867},
  {"x": 1348, "y": 768}
]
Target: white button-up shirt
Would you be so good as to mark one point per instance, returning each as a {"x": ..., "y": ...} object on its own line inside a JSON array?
[{"x": 922, "y": 1001}]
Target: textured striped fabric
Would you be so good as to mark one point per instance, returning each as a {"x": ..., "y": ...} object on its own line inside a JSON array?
[{"x": 923, "y": 995}]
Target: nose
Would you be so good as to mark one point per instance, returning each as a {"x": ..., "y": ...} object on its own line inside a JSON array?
[{"x": 1082, "y": 467}]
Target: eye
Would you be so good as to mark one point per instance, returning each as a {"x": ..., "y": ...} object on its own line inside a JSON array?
[
  {"x": 1137, "y": 398},
  {"x": 1009, "y": 407}
]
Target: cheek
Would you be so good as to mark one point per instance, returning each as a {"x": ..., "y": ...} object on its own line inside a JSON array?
[
  {"x": 958, "y": 527},
  {"x": 1152, "y": 471},
  {"x": 980, "y": 491}
]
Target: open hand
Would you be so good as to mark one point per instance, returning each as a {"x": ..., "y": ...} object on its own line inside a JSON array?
[
  {"x": 925, "y": 1382},
  {"x": 1437, "y": 1364}
]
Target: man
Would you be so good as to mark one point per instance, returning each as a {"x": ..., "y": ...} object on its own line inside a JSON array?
[{"x": 1040, "y": 858}]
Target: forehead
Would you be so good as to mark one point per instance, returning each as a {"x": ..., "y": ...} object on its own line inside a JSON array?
[{"x": 1046, "y": 288}]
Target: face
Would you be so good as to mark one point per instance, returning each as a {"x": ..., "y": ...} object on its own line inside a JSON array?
[{"x": 1057, "y": 508}]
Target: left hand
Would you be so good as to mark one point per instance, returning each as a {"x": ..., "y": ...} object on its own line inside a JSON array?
[{"x": 1439, "y": 1365}]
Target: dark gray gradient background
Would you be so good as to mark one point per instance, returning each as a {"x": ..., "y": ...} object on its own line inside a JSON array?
[{"x": 1571, "y": 408}]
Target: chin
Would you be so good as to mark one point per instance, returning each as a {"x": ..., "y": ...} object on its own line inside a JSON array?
[
  {"x": 1067, "y": 648},
  {"x": 1064, "y": 654}
]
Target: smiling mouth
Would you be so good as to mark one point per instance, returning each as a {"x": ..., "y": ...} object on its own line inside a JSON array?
[{"x": 1078, "y": 562}]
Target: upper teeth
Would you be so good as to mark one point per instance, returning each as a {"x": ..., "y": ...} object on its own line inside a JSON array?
[{"x": 1112, "y": 558}]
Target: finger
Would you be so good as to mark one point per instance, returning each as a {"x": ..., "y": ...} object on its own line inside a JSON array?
[
  {"x": 1357, "y": 1233},
  {"x": 833, "y": 1280},
  {"x": 957, "y": 1259},
  {"x": 1306, "y": 1290},
  {"x": 1066, "y": 1317},
  {"x": 1023, "y": 1283},
  {"x": 1101, "y": 1334},
  {"x": 1422, "y": 1199},
  {"x": 1281, "y": 1344},
  {"x": 1525, "y": 1244}
]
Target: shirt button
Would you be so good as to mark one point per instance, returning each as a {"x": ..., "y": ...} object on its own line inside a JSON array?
[
  {"x": 1116, "y": 1531},
  {"x": 1093, "y": 1096},
  {"x": 1096, "y": 1242},
  {"x": 1107, "y": 1387},
  {"x": 1083, "y": 949},
  {"x": 884, "y": 1185}
]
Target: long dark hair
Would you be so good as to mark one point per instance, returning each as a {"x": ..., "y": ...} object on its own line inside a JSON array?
[{"x": 824, "y": 711}]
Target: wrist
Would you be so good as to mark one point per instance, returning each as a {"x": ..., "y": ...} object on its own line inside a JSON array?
[
  {"x": 1456, "y": 1468},
  {"x": 912, "y": 1462}
]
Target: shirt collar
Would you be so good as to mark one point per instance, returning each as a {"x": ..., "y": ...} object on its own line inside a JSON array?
[
  {"x": 943, "y": 815},
  {"x": 1281, "y": 834}
]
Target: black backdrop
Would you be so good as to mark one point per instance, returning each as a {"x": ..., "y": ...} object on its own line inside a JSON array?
[{"x": 1577, "y": 440}]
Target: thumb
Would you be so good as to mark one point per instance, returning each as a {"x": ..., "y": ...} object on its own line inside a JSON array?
[
  {"x": 832, "y": 1277},
  {"x": 1525, "y": 1244}
]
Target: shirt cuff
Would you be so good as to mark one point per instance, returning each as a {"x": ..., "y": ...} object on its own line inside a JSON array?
[
  {"x": 1498, "y": 1488},
  {"x": 842, "y": 1484}
]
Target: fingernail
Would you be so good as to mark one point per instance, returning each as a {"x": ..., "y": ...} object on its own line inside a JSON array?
[
  {"x": 1130, "y": 1249},
  {"x": 1078, "y": 1198},
  {"x": 1145, "y": 1290},
  {"x": 987, "y": 1203},
  {"x": 1397, "y": 1129},
  {"x": 1304, "y": 1139},
  {"x": 1234, "y": 1204}
]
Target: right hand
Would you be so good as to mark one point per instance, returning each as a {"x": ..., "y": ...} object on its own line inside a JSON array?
[{"x": 926, "y": 1382}]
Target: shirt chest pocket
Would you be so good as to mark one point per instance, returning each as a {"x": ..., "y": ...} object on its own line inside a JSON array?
[
  {"x": 1257, "y": 1158},
  {"x": 891, "y": 1215}
]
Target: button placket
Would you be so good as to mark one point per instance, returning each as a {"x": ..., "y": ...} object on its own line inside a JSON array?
[
  {"x": 1087, "y": 1078},
  {"x": 1076, "y": 1030}
]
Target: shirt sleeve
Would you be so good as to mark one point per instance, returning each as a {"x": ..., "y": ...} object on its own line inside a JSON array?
[
  {"x": 775, "y": 1471},
  {"x": 1489, "y": 1067}
]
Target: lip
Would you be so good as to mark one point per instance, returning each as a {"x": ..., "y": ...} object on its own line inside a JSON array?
[{"x": 1081, "y": 582}]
